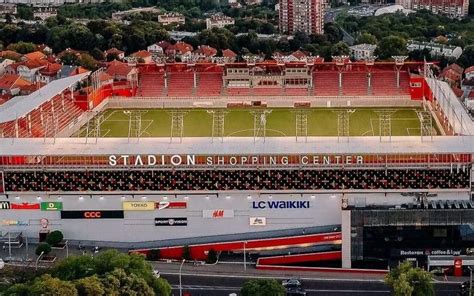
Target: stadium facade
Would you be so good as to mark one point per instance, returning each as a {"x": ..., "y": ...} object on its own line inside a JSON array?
[{"x": 284, "y": 199}]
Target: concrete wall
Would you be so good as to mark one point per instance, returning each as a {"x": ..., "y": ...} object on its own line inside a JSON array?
[{"x": 138, "y": 226}]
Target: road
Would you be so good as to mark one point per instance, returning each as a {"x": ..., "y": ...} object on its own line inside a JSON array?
[{"x": 208, "y": 281}]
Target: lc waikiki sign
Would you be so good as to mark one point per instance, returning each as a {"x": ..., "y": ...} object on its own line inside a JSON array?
[{"x": 232, "y": 160}]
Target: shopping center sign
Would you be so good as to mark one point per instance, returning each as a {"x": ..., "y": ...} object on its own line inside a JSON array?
[
  {"x": 189, "y": 160},
  {"x": 281, "y": 204}
]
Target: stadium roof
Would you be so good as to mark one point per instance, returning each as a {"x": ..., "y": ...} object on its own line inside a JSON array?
[
  {"x": 455, "y": 111},
  {"x": 238, "y": 146},
  {"x": 20, "y": 106}
]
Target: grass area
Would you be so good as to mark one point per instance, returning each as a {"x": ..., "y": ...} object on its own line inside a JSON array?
[{"x": 239, "y": 123}]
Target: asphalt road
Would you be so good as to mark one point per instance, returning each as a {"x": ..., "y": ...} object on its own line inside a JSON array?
[{"x": 217, "y": 285}]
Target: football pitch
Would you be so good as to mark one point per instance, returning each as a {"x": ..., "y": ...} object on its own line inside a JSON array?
[{"x": 280, "y": 122}]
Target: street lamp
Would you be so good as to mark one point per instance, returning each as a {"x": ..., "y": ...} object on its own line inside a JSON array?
[
  {"x": 180, "y": 286},
  {"x": 245, "y": 257},
  {"x": 39, "y": 257},
  {"x": 67, "y": 249},
  {"x": 470, "y": 280}
]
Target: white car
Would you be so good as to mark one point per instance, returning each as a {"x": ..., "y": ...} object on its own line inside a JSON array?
[
  {"x": 156, "y": 273},
  {"x": 291, "y": 283}
]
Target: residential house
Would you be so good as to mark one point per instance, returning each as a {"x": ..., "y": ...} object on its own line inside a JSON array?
[
  {"x": 452, "y": 74},
  {"x": 229, "y": 55},
  {"x": 121, "y": 71},
  {"x": 362, "y": 51},
  {"x": 218, "y": 21},
  {"x": 35, "y": 55},
  {"x": 180, "y": 50},
  {"x": 142, "y": 56},
  {"x": 116, "y": 53},
  {"x": 11, "y": 85},
  {"x": 171, "y": 18},
  {"x": 205, "y": 53},
  {"x": 49, "y": 73},
  {"x": 4, "y": 62}
]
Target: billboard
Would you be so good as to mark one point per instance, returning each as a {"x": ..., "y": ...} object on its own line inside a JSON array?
[
  {"x": 258, "y": 221},
  {"x": 92, "y": 214},
  {"x": 25, "y": 206},
  {"x": 52, "y": 206},
  {"x": 161, "y": 205},
  {"x": 4, "y": 205},
  {"x": 138, "y": 205},
  {"x": 176, "y": 221},
  {"x": 219, "y": 213}
]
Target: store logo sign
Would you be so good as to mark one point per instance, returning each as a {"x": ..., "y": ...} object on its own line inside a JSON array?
[
  {"x": 219, "y": 213},
  {"x": 282, "y": 204},
  {"x": 52, "y": 206},
  {"x": 258, "y": 221},
  {"x": 179, "y": 221},
  {"x": 161, "y": 205},
  {"x": 4, "y": 205},
  {"x": 92, "y": 214},
  {"x": 15, "y": 222},
  {"x": 138, "y": 205},
  {"x": 25, "y": 206}
]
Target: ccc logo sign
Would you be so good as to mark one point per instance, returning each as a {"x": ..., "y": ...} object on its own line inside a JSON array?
[{"x": 92, "y": 215}]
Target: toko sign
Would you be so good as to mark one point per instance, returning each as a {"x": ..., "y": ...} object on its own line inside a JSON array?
[{"x": 280, "y": 204}]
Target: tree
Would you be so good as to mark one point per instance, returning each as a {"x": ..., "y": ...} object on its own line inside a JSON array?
[
  {"x": 467, "y": 58},
  {"x": 405, "y": 280},
  {"x": 75, "y": 267},
  {"x": 70, "y": 58},
  {"x": 366, "y": 38},
  {"x": 340, "y": 48},
  {"x": 54, "y": 237},
  {"x": 161, "y": 287},
  {"x": 88, "y": 62},
  {"x": 118, "y": 282},
  {"x": 262, "y": 287},
  {"x": 44, "y": 248},
  {"x": 90, "y": 286},
  {"x": 47, "y": 285},
  {"x": 391, "y": 46},
  {"x": 22, "y": 47}
]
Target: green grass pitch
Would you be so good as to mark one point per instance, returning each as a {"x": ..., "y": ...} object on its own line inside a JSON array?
[{"x": 239, "y": 123}]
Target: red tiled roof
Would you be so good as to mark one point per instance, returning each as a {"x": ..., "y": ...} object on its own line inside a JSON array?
[
  {"x": 51, "y": 69},
  {"x": 141, "y": 54},
  {"x": 104, "y": 76},
  {"x": 78, "y": 70},
  {"x": 298, "y": 54},
  {"x": 35, "y": 55},
  {"x": 206, "y": 51},
  {"x": 114, "y": 50},
  {"x": 9, "y": 81},
  {"x": 469, "y": 70},
  {"x": 10, "y": 53},
  {"x": 118, "y": 68},
  {"x": 471, "y": 95},
  {"x": 450, "y": 74},
  {"x": 228, "y": 53},
  {"x": 32, "y": 64},
  {"x": 455, "y": 67},
  {"x": 180, "y": 47}
]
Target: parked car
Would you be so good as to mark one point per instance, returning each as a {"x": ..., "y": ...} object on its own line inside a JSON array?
[
  {"x": 291, "y": 283},
  {"x": 295, "y": 292},
  {"x": 156, "y": 273}
]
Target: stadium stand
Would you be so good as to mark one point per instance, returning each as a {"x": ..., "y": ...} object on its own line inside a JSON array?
[
  {"x": 192, "y": 180},
  {"x": 209, "y": 84},
  {"x": 151, "y": 84},
  {"x": 354, "y": 84},
  {"x": 326, "y": 83},
  {"x": 180, "y": 84}
]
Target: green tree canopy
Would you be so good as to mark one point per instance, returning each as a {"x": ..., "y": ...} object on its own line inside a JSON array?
[
  {"x": 262, "y": 287},
  {"x": 391, "y": 46},
  {"x": 405, "y": 280},
  {"x": 47, "y": 285}
]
